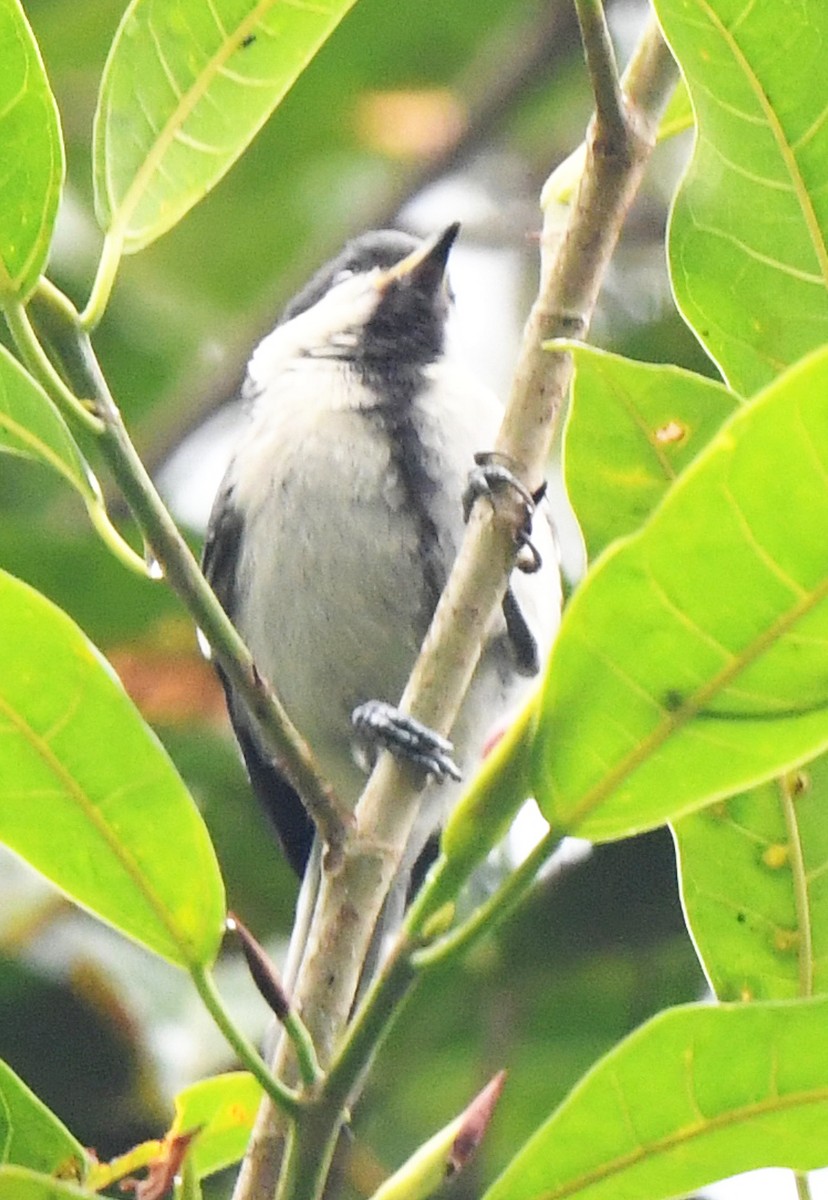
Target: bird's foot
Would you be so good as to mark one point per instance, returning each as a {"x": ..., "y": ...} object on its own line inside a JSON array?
[
  {"x": 492, "y": 477},
  {"x": 385, "y": 727}
]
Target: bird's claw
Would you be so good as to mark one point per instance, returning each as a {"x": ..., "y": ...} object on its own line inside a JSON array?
[
  {"x": 386, "y": 727},
  {"x": 493, "y": 475}
]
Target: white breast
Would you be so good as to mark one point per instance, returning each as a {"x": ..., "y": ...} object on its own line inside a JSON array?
[{"x": 330, "y": 578}]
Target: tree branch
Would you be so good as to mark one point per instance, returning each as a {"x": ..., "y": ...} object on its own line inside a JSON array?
[
  {"x": 573, "y": 263},
  {"x": 603, "y": 72}
]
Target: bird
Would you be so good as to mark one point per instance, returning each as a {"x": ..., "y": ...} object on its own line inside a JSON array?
[{"x": 338, "y": 519}]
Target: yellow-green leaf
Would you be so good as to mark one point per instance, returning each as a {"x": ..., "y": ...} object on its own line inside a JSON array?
[
  {"x": 31, "y": 176},
  {"x": 224, "y": 1108},
  {"x": 693, "y": 661},
  {"x": 695, "y": 1095},
  {"x": 748, "y": 240},
  {"x": 88, "y": 795},
  {"x": 37, "y": 1139},
  {"x": 187, "y": 85},
  {"x": 31, "y": 426}
]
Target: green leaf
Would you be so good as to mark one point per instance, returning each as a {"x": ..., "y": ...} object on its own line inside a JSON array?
[
  {"x": 225, "y": 1106},
  {"x": 38, "y": 1139},
  {"x": 187, "y": 85},
  {"x": 31, "y": 426},
  {"x": 19, "y": 1183},
  {"x": 32, "y": 175},
  {"x": 747, "y": 240},
  {"x": 87, "y": 794},
  {"x": 662, "y": 1114},
  {"x": 632, "y": 428},
  {"x": 753, "y": 873},
  {"x": 692, "y": 662}
]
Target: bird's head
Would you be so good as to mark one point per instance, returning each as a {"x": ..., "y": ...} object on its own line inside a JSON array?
[{"x": 382, "y": 304}]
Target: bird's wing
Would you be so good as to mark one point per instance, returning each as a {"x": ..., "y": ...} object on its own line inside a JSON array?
[
  {"x": 278, "y": 797},
  {"x": 220, "y": 556}
]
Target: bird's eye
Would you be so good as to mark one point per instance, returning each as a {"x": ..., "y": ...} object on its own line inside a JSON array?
[{"x": 341, "y": 276}]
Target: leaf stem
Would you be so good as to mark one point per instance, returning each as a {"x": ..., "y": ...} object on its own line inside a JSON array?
[
  {"x": 38, "y": 363},
  {"x": 297, "y": 1031},
  {"x": 112, "y": 538},
  {"x": 803, "y": 1185},
  {"x": 285, "y": 1099},
  {"x": 111, "y": 254},
  {"x": 500, "y": 905}
]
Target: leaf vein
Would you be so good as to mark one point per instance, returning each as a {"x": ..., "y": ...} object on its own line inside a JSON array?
[{"x": 780, "y": 137}]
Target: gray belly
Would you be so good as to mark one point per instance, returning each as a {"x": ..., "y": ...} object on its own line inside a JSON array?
[{"x": 335, "y": 602}]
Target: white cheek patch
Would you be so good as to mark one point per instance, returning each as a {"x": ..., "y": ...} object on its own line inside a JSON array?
[{"x": 329, "y": 327}]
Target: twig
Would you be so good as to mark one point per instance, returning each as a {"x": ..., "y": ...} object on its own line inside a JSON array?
[
  {"x": 174, "y": 557},
  {"x": 573, "y": 266},
  {"x": 288, "y": 1102},
  {"x": 40, "y": 366},
  {"x": 273, "y": 991},
  {"x": 603, "y": 72},
  {"x": 497, "y": 908}
]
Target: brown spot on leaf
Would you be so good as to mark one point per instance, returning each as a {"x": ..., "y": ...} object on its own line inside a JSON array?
[{"x": 671, "y": 434}]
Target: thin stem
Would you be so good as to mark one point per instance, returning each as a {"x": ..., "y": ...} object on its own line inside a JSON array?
[
  {"x": 497, "y": 908},
  {"x": 370, "y": 1022},
  {"x": 603, "y": 71},
  {"x": 112, "y": 538},
  {"x": 111, "y": 253},
  {"x": 188, "y": 1186},
  {"x": 403, "y": 969},
  {"x": 650, "y": 76},
  {"x": 308, "y": 1157},
  {"x": 790, "y": 786},
  {"x": 43, "y": 371},
  {"x": 176, "y": 560},
  {"x": 37, "y": 361},
  {"x": 285, "y": 1099},
  {"x": 803, "y": 1186},
  {"x": 309, "y": 1068}
]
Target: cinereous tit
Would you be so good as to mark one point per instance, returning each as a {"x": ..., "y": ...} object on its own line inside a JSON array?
[{"x": 339, "y": 518}]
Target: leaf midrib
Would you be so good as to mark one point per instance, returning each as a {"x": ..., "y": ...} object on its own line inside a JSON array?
[
  {"x": 122, "y": 211},
  {"x": 675, "y": 720},
  {"x": 92, "y": 813},
  {"x": 785, "y": 150},
  {"x": 705, "y": 1126}
]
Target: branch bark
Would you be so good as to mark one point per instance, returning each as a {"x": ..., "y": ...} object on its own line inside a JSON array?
[{"x": 574, "y": 259}]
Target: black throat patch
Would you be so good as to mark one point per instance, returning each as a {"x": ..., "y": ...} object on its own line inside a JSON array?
[{"x": 395, "y": 416}]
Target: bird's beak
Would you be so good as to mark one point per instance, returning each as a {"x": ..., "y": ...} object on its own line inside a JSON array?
[{"x": 425, "y": 266}]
